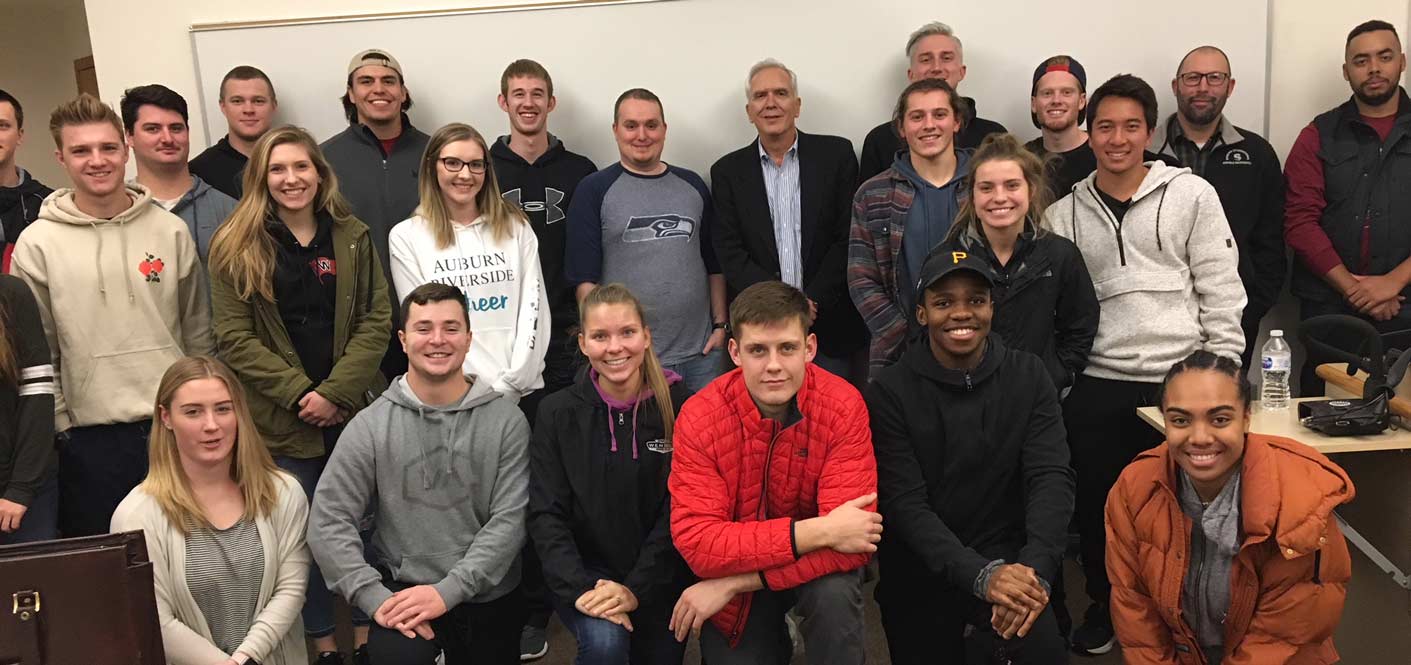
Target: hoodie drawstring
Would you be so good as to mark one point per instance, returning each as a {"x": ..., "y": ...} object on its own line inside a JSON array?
[
  {"x": 421, "y": 443},
  {"x": 122, "y": 235},
  {"x": 98, "y": 259},
  {"x": 1159, "y": 203}
]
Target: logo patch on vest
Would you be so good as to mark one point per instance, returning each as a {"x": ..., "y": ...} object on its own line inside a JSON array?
[
  {"x": 658, "y": 227},
  {"x": 1236, "y": 157},
  {"x": 661, "y": 446}
]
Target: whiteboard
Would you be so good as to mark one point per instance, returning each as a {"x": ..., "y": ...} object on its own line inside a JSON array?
[{"x": 695, "y": 54}]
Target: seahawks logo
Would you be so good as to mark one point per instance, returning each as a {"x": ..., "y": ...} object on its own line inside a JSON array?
[{"x": 658, "y": 227}]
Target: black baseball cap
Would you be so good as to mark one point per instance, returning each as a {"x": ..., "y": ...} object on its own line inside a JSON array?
[{"x": 948, "y": 258}]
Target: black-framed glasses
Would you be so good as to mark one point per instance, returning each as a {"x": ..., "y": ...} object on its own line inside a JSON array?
[
  {"x": 1215, "y": 79},
  {"x": 455, "y": 164}
]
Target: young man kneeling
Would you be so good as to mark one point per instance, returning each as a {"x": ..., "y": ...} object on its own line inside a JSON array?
[
  {"x": 973, "y": 474},
  {"x": 773, "y": 486}
]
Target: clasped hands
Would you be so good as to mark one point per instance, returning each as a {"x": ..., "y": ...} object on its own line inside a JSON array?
[{"x": 1017, "y": 599}]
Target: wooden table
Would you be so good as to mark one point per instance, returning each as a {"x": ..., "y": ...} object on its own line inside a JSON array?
[{"x": 1285, "y": 423}]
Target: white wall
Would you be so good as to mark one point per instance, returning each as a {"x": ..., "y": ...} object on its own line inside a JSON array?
[
  {"x": 142, "y": 42},
  {"x": 38, "y": 44}
]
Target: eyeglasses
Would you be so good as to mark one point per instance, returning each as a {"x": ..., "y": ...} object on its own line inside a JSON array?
[
  {"x": 455, "y": 164},
  {"x": 1215, "y": 79}
]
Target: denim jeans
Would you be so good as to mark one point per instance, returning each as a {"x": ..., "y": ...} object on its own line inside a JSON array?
[
  {"x": 41, "y": 517},
  {"x": 602, "y": 642},
  {"x": 699, "y": 371},
  {"x": 318, "y": 600}
]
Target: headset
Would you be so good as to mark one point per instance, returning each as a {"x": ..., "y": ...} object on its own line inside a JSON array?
[{"x": 1385, "y": 369}]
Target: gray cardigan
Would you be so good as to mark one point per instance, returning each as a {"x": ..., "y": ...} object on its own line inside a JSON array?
[{"x": 276, "y": 635}]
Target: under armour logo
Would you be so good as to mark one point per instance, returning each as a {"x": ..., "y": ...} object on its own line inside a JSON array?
[{"x": 549, "y": 208}]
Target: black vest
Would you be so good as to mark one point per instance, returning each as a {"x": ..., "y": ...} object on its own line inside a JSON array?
[{"x": 1367, "y": 191}]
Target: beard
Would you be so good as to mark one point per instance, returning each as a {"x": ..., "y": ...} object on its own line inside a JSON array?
[
  {"x": 1375, "y": 100},
  {"x": 1059, "y": 124},
  {"x": 1201, "y": 117}
]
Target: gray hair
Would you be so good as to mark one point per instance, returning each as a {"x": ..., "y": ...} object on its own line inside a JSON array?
[
  {"x": 771, "y": 63},
  {"x": 933, "y": 28}
]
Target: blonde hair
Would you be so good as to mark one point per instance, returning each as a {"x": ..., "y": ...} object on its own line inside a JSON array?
[
  {"x": 252, "y": 468},
  {"x": 82, "y": 110},
  {"x": 499, "y": 214},
  {"x": 242, "y": 251},
  {"x": 1004, "y": 148},
  {"x": 652, "y": 372}
]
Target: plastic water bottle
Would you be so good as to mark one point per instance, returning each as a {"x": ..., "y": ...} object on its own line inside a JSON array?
[{"x": 1275, "y": 360}]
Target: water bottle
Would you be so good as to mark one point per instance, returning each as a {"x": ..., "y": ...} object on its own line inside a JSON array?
[{"x": 1275, "y": 360}]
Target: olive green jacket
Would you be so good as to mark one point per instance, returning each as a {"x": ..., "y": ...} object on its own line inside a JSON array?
[{"x": 251, "y": 338}]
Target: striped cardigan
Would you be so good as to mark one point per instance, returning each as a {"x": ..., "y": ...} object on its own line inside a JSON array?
[{"x": 874, "y": 246}]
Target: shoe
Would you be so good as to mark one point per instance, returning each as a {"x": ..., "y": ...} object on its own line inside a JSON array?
[
  {"x": 329, "y": 658},
  {"x": 533, "y": 643},
  {"x": 360, "y": 656},
  {"x": 1095, "y": 636}
]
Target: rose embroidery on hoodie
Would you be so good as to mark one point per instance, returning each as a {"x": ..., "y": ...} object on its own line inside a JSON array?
[{"x": 151, "y": 268}]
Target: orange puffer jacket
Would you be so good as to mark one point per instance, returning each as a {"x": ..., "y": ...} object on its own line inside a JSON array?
[
  {"x": 739, "y": 481},
  {"x": 1287, "y": 582}
]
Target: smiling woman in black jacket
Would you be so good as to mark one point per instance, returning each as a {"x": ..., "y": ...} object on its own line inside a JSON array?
[
  {"x": 1043, "y": 296},
  {"x": 973, "y": 482},
  {"x": 599, "y": 506}
]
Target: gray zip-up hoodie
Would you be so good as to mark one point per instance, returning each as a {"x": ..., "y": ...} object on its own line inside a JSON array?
[
  {"x": 1166, "y": 275},
  {"x": 450, "y": 486},
  {"x": 203, "y": 208}
]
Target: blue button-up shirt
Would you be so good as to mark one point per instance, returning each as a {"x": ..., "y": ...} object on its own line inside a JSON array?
[{"x": 781, "y": 185}]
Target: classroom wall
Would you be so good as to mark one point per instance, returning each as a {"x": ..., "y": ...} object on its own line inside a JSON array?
[
  {"x": 38, "y": 43},
  {"x": 1306, "y": 44}
]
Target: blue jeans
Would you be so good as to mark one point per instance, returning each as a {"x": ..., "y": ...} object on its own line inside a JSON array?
[
  {"x": 318, "y": 600},
  {"x": 699, "y": 371},
  {"x": 602, "y": 642},
  {"x": 41, "y": 516}
]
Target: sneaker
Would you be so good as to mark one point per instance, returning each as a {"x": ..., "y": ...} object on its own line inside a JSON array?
[
  {"x": 360, "y": 656},
  {"x": 533, "y": 643},
  {"x": 329, "y": 658},
  {"x": 1095, "y": 636}
]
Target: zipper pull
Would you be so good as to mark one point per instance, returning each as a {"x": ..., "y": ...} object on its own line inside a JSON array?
[
  {"x": 621, "y": 418},
  {"x": 968, "y": 385}
]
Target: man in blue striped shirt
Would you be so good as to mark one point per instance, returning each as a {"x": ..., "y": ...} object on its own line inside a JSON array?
[{"x": 782, "y": 212}]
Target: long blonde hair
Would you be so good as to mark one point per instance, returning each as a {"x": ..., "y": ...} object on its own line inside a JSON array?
[
  {"x": 9, "y": 366},
  {"x": 1004, "y": 148},
  {"x": 252, "y": 469},
  {"x": 499, "y": 214},
  {"x": 652, "y": 371},
  {"x": 242, "y": 251}
]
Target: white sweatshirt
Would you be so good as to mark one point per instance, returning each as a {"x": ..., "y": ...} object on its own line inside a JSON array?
[{"x": 502, "y": 280}]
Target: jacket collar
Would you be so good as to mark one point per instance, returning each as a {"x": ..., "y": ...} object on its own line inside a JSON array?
[
  {"x": 1348, "y": 113},
  {"x": 1170, "y": 129},
  {"x": 919, "y": 358},
  {"x": 1289, "y": 492},
  {"x": 738, "y": 396},
  {"x": 364, "y": 134}
]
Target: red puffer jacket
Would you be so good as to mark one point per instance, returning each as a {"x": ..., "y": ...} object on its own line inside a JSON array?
[{"x": 739, "y": 481}]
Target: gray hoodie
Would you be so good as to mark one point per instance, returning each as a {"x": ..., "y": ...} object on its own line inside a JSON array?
[
  {"x": 449, "y": 487},
  {"x": 203, "y": 208},
  {"x": 1166, "y": 275}
]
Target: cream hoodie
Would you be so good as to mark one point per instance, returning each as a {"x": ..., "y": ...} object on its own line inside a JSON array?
[
  {"x": 502, "y": 280},
  {"x": 121, "y": 300}
]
